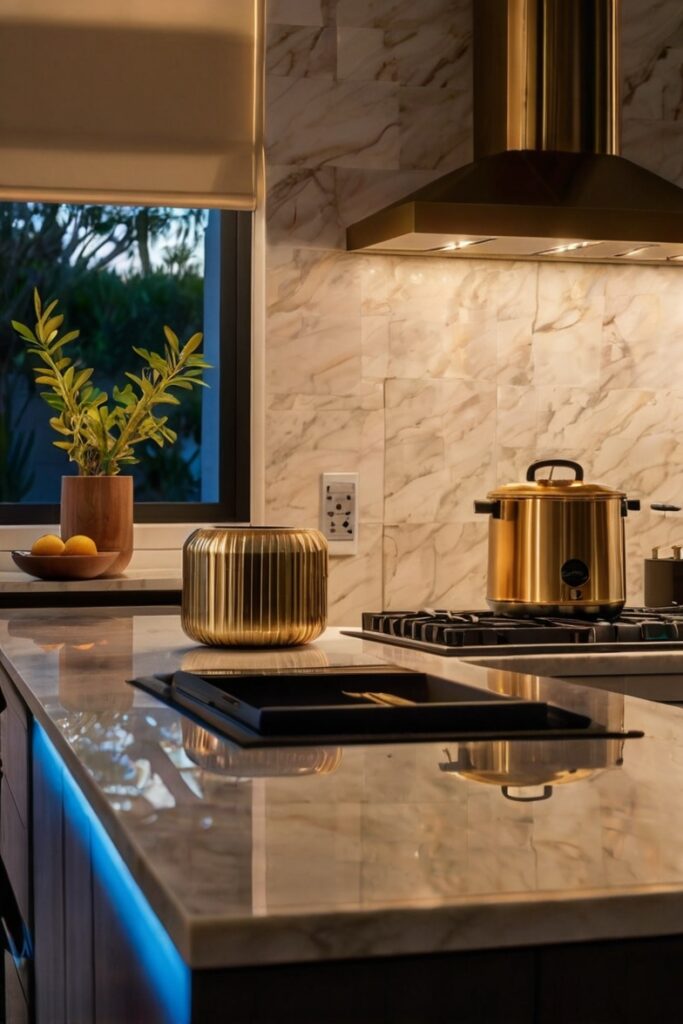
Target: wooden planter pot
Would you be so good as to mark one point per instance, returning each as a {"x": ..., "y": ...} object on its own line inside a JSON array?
[{"x": 100, "y": 507}]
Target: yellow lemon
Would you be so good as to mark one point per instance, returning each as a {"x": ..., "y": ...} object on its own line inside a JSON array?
[
  {"x": 48, "y": 544},
  {"x": 79, "y": 544}
]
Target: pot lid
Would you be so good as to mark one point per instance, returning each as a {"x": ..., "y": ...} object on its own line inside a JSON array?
[{"x": 547, "y": 486}]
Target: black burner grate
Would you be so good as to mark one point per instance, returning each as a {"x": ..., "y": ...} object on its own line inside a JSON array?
[{"x": 486, "y": 629}]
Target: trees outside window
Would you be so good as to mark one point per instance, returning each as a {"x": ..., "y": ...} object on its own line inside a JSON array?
[{"x": 121, "y": 273}]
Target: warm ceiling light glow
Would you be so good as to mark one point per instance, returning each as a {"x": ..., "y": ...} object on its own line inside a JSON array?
[
  {"x": 637, "y": 251},
  {"x": 676, "y": 259},
  {"x": 569, "y": 247},
  {"x": 464, "y": 244}
]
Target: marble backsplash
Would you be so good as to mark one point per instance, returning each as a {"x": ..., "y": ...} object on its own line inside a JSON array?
[{"x": 436, "y": 379}]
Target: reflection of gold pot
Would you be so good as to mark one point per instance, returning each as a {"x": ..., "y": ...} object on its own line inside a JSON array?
[
  {"x": 254, "y": 586},
  {"x": 524, "y": 766},
  {"x": 216, "y": 755},
  {"x": 211, "y": 660}
]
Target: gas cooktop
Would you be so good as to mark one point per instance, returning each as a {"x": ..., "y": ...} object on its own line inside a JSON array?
[{"x": 465, "y": 633}]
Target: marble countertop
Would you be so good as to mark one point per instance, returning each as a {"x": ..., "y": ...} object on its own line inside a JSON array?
[
  {"x": 304, "y": 854},
  {"x": 131, "y": 580}
]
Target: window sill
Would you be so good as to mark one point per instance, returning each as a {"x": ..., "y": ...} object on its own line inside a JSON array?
[
  {"x": 157, "y": 547},
  {"x": 136, "y": 580}
]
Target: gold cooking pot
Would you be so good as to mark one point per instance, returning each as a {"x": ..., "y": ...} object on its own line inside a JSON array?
[{"x": 556, "y": 547}]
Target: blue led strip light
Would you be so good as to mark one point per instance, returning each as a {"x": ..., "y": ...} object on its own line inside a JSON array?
[{"x": 168, "y": 974}]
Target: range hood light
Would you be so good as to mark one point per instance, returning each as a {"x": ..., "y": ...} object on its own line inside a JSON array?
[
  {"x": 637, "y": 251},
  {"x": 569, "y": 247},
  {"x": 464, "y": 244},
  {"x": 676, "y": 259}
]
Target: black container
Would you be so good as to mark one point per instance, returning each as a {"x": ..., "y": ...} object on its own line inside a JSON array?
[{"x": 663, "y": 581}]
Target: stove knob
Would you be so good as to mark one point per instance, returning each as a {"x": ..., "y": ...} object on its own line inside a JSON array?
[{"x": 575, "y": 573}]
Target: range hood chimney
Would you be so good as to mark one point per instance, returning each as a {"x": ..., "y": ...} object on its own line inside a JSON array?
[{"x": 547, "y": 181}]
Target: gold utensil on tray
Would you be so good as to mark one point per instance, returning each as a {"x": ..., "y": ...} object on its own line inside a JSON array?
[{"x": 385, "y": 699}]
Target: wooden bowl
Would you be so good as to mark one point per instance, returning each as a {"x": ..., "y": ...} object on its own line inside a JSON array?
[{"x": 64, "y": 567}]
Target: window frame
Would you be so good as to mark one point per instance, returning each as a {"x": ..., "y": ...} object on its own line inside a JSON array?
[{"x": 234, "y": 318}]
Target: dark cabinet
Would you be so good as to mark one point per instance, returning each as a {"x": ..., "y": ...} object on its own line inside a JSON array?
[
  {"x": 79, "y": 952},
  {"x": 15, "y": 879},
  {"x": 88, "y": 966},
  {"x": 629, "y": 982},
  {"x": 49, "y": 902},
  {"x": 14, "y": 848}
]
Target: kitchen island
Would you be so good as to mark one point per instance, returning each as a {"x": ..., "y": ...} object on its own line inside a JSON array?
[{"x": 327, "y": 884}]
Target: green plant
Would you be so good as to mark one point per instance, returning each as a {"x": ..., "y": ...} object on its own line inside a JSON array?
[{"x": 100, "y": 437}]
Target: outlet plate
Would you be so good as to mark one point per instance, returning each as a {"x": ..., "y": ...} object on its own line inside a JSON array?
[{"x": 339, "y": 512}]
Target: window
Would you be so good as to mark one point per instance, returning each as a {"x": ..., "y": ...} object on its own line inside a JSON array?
[{"x": 120, "y": 274}]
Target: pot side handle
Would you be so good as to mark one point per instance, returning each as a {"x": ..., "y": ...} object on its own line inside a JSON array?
[
  {"x": 486, "y": 508},
  {"x": 566, "y": 463},
  {"x": 630, "y": 505}
]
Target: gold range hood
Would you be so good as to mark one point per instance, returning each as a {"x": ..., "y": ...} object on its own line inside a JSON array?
[{"x": 547, "y": 182}]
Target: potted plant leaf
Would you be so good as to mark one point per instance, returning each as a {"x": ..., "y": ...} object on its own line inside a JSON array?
[{"x": 100, "y": 435}]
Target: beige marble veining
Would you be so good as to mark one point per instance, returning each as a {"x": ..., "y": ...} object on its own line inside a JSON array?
[
  {"x": 295, "y": 12},
  {"x": 424, "y": 54},
  {"x": 302, "y": 203},
  {"x": 306, "y": 434},
  {"x": 356, "y": 583},
  {"x": 296, "y": 51},
  {"x": 658, "y": 145},
  {"x": 388, "y": 13},
  {"x": 440, "y": 565},
  {"x": 651, "y": 59},
  {"x": 517, "y": 415},
  {"x": 439, "y": 442},
  {"x": 320, "y": 354},
  {"x": 644, "y": 37},
  {"x": 360, "y": 191},
  {"x": 652, "y": 92},
  {"x": 514, "y": 351},
  {"x": 385, "y": 853},
  {"x": 319, "y": 282},
  {"x": 449, "y": 143},
  {"x": 362, "y": 120}
]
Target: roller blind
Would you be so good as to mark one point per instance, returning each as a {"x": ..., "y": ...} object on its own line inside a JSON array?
[{"x": 152, "y": 102}]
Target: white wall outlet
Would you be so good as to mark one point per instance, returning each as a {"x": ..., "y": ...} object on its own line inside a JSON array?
[{"x": 339, "y": 512}]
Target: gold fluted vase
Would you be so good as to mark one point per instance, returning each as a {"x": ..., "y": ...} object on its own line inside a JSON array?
[{"x": 254, "y": 586}]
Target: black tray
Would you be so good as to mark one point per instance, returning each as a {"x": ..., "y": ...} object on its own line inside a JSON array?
[{"x": 289, "y": 704}]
